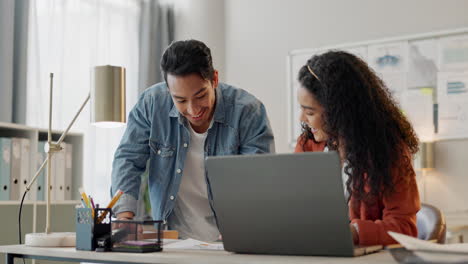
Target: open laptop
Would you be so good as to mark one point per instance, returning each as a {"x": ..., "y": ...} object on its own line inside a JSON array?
[{"x": 286, "y": 204}]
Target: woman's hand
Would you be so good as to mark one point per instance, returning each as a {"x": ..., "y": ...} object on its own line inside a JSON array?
[{"x": 355, "y": 234}]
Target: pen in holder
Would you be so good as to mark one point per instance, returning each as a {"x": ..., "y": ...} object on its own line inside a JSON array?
[{"x": 93, "y": 232}]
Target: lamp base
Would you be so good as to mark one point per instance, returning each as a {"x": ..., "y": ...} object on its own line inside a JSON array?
[{"x": 61, "y": 239}]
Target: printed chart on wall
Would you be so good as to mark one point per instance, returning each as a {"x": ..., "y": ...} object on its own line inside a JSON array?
[
  {"x": 419, "y": 96},
  {"x": 427, "y": 75},
  {"x": 453, "y": 105},
  {"x": 452, "y": 90}
]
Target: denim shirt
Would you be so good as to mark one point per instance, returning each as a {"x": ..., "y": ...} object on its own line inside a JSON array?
[{"x": 157, "y": 136}]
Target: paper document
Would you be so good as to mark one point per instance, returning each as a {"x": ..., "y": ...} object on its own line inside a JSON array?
[
  {"x": 389, "y": 57},
  {"x": 452, "y": 96},
  {"x": 417, "y": 105},
  {"x": 453, "y": 53},
  {"x": 193, "y": 244},
  {"x": 422, "y": 60},
  {"x": 428, "y": 251}
]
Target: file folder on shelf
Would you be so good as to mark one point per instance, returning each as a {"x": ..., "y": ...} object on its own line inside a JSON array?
[
  {"x": 15, "y": 169},
  {"x": 68, "y": 170},
  {"x": 26, "y": 169},
  {"x": 5, "y": 168},
  {"x": 59, "y": 175},
  {"x": 40, "y": 181}
]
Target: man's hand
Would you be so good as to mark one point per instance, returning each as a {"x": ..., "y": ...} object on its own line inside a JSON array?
[
  {"x": 130, "y": 226},
  {"x": 125, "y": 216}
]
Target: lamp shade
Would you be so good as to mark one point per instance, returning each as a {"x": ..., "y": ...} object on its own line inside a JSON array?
[
  {"x": 425, "y": 157},
  {"x": 108, "y": 96}
]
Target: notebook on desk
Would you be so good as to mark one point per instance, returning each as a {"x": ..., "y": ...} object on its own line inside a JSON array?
[{"x": 286, "y": 204}]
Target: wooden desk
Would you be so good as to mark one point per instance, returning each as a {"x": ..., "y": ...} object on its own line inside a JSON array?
[{"x": 169, "y": 256}]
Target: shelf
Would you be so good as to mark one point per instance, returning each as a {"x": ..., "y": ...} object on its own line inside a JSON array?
[{"x": 40, "y": 202}]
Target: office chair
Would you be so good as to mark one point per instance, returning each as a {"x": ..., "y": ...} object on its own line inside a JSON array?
[{"x": 431, "y": 224}]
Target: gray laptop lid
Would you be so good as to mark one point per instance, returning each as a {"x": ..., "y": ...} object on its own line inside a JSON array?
[{"x": 281, "y": 204}]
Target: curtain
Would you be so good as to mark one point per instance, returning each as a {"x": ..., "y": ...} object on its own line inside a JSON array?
[
  {"x": 156, "y": 33},
  {"x": 13, "y": 58},
  {"x": 68, "y": 38}
]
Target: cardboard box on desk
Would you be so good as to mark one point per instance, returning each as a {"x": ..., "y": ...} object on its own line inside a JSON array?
[{"x": 153, "y": 234}]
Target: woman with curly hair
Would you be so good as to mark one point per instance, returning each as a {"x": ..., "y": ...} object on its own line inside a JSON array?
[{"x": 348, "y": 109}]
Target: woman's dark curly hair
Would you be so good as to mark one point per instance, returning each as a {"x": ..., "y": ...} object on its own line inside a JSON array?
[{"x": 362, "y": 119}]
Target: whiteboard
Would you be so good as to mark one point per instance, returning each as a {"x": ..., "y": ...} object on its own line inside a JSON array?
[{"x": 427, "y": 74}]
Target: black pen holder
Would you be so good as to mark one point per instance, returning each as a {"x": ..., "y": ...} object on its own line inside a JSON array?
[{"x": 93, "y": 232}]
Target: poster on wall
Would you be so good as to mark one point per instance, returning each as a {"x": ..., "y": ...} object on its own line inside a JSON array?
[
  {"x": 422, "y": 64},
  {"x": 391, "y": 57},
  {"x": 419, "y": 97},
  {"x": 453, "y": 53},
  {"x": 417, "y": 105},
  {"x": 452, "y": 94}
]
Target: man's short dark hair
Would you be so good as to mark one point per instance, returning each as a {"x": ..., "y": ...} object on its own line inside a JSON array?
[{"x": 186, "y": 57}]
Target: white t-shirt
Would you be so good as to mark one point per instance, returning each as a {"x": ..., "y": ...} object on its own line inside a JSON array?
[{"x": 192, "y": 216}]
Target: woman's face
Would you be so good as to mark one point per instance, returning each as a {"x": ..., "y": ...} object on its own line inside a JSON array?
[{"x": 312, "y": 114}]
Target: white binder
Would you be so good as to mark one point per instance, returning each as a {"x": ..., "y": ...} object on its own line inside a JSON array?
[
  {"x": 52, "y": 184},
  {"x": 68, "y": 170},
  {"x": 26, "y": 169},
  {"x": 59, "y": 176},
  {"x": 40, "y": 181},
  {"x": 5, "y": 168},
  {"x": 15, "y": 169}
]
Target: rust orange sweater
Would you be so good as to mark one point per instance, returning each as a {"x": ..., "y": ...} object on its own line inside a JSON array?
[{"x": 395, "y": 212}]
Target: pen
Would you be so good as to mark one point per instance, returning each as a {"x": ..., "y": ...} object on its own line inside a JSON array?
[
  {"x": 110, "y": 205},
  {"x": 83, "y": 203},
  {"x": 92, "y": 201},
  {"x": 92, "y": 205}
]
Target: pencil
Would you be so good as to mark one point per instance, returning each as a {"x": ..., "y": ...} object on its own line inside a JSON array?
[
  {"x": 85, "y": 197},
  {"x": 110, "y": 205}
]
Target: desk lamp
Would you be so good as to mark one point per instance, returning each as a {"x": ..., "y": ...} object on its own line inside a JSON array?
[{"x": 107, "y": 110}]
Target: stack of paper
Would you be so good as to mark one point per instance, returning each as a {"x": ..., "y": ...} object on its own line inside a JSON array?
[
  {"x": 432, "y": 252},
  {"x": 192, "y": 244}
]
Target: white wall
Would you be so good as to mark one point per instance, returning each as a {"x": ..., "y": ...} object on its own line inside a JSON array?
[
  {"x": 260, "y": 33},
  {"x": 203, "y": 20}
]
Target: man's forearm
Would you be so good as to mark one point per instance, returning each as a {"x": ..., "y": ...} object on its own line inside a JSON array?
[{"x": 126, "y": 204}]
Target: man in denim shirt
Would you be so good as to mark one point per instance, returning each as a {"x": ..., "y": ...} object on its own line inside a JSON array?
[{"x": 173, "y": 127}]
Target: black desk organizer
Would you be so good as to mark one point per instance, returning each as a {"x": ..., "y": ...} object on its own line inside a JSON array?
[
  {"x": 94, "y": 236},
  {"x": 130, "y": 239},
  {"x": 88, "y": 230}
]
